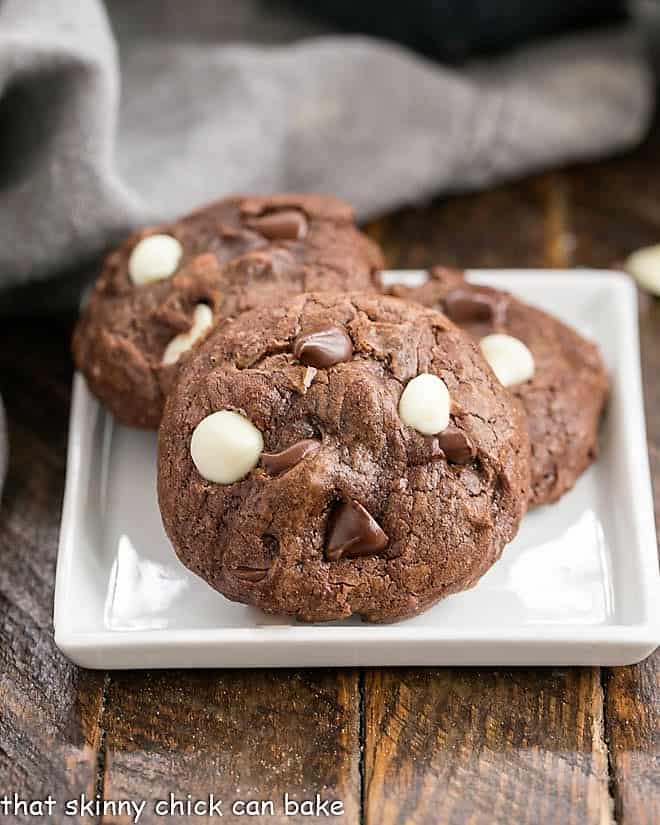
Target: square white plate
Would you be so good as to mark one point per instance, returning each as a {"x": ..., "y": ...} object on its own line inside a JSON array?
[{"x": 579, "y": 585}]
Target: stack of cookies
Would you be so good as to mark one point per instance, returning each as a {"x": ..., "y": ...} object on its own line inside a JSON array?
[{"x": 330, "y": 444}]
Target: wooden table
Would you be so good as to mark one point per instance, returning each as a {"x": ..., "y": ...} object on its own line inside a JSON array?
[{"x": 418, "y": 745}]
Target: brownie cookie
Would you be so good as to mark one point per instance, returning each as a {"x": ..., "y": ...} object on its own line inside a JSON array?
[
  {"x": 340, "y": 454},
  {"x": 557, "y": 374},
  {"x": 168, "y": 285}
]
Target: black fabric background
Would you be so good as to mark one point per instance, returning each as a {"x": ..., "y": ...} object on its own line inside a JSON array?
[{"x": 453, "y": 30}]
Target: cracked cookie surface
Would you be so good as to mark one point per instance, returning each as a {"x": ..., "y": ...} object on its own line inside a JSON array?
[
  {"x": 231, "y": 256},
  {"x": 563, "y": 400},
  {"x": 347, "y": 509}
]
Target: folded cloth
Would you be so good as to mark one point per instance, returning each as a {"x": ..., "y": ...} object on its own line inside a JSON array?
[{"x": 203, "y": 114}]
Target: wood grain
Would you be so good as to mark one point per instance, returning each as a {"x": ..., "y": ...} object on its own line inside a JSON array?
[
  {"x": 614, "y": 206},
  {"x": 250, "y": 735},
  {"x": 49, "y": 709},
  {"x": 485, "y": 747},
  {"x": 633, "y": 693},
  {"x": 502, "y": 227},
  {"x": 481, "y": 746},
  {"x": 633, "y": 734},
  {"x": 613, "y": 210},
  {"x": 592, "y": 215},
  {"x": 65, "y": 731}
]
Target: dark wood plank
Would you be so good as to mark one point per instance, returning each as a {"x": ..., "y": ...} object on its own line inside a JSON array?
[
  {"x": 242, "y": 735},
  {"x": 67, "y": 731},
  {"x": 485, "y": 747},
  {"x": 633, "y": 734},
  {"x": 503, "y": 227},
  {"x": 614, "y": 209},
  {"x": 633, "y": 694},
  {"x": 614, "y": 206},
  {"x": 49, "y": 709},
  {"x": 451, "y": 747}
]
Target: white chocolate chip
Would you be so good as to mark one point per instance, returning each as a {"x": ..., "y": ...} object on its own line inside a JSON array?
[
  {"x": 509, "y": 358},
  {"x": 202, "y": 322},
  {"x": 310, "y": 374},
  {"x": 225, "y": 447},
  {"x": 154, "y": 258},
  {"x": 644, "y": 266},
  {"x": 425, "y": 403}
]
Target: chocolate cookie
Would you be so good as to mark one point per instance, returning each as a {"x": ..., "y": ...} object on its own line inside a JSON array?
[
  {"x": 168, "y": 285},
  {"x": 341, "y": 454},
  {"x": 557, "y": 374}
]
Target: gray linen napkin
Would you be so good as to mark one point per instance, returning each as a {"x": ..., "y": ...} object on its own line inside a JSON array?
[{"x": 202, "y": 113}]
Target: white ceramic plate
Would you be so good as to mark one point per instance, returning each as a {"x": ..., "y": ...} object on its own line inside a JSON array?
[{"x": 579, "y": 585}]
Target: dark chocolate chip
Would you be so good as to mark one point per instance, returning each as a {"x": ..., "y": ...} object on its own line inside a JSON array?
[
  {"x": 352, "y": 531},
  {"x": 250, "y": 574},
  {"x": 261, "y": 562},
  {"x": 323, "y": 348},
  {"x": 465, "y": 305},
  {"x": 455, "y": 445},
  {"x": 283, "y": 225},
  {"x": 277, "y": 463},
  {"x": 271, "y": 546},
  {"x": 260, "y": 263}
]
